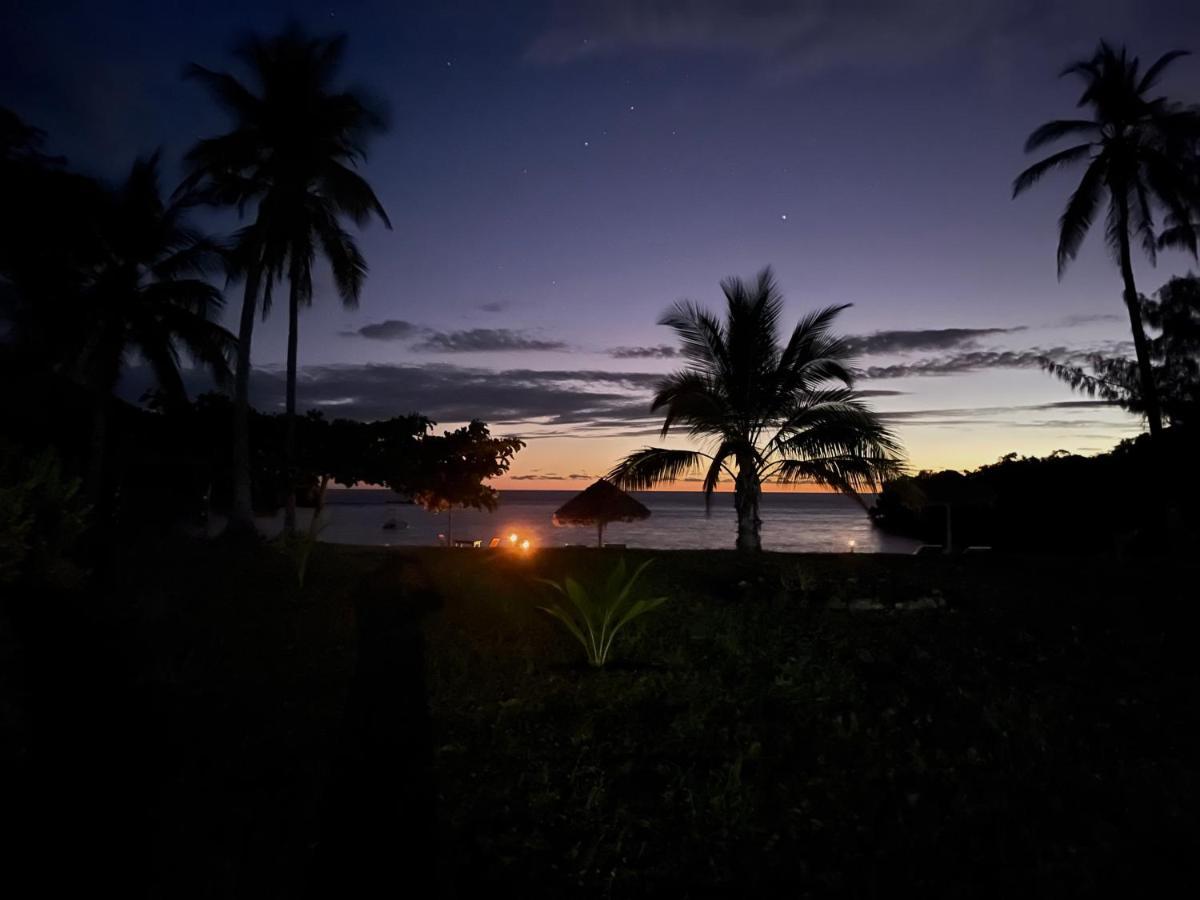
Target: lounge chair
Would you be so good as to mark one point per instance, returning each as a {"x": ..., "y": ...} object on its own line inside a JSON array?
[{"x": 929, "y": 550}]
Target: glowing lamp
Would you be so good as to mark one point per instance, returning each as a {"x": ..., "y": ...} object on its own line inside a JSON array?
[
  {"x": 525, "y": 544},
  {"x": 852, "y": 545},
  {"x": 512, "y": 538}
]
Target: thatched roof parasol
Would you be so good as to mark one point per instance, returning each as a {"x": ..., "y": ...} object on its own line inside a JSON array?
[{"x": 598, "y": 505}]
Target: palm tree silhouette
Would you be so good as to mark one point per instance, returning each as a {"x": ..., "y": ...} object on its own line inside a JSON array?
[
  {"x": 292, "y": 154},
  {"x": 1136, "y": 152},
  {"x": 148, "y": 295},
  {"x": 785, "y": 413}
]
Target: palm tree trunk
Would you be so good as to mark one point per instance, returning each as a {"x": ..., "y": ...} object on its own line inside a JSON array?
[
  {"x": 600, "y": 535},
  {"x": 241, "y": 515},
  {"x": 747, "y": 494},
  {"x": 289, "y": 438},
  {"x": 1140, "y": 344}
]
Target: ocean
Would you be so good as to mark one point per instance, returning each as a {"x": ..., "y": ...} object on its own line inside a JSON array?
[{"x": 795, "y": 522}]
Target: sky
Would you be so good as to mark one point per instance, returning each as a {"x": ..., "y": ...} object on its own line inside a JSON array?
[{"x": 558, "y": 173}]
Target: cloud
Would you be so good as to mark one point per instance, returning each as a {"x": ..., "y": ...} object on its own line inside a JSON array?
[
  {"x": 924, "y": 339},
  {"x": 483, "y": 340},
  {"x": 786, "y": 37},
  {"x": 974, "y": 360},
  {"x": 451, "y": 393},
  {"x": 662, "y": 351},
  {"x": 1087, "y": 319},
  {"x": 493, "y": 307},
  {"x": 1016, "y": 416},
  {"x": 1077, "y": 404},
  {"x": 387, "y": 330}
]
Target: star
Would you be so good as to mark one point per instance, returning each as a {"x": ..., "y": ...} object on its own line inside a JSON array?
[
  {"x": 587, "y": 143},
  {"x": 784, "y": 217}
]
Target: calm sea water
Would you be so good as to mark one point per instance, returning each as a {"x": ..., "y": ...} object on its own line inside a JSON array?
[{"x": 809, "y": 523}]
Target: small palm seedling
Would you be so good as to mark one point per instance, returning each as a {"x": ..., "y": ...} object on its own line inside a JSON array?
[
  {"x": 594, "y": 617},
  {"x": 298, "y": 546}
]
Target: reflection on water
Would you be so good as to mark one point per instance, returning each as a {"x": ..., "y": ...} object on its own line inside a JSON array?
[{"x": 811, "y": 523}]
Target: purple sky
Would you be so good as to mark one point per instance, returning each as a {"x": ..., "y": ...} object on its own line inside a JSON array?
[{"x": 558, "y": 173}]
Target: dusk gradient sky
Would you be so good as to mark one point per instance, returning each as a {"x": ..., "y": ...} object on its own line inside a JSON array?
[{"x": 558, "y": 173}]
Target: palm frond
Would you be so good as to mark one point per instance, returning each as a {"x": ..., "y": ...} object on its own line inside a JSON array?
[
  {"x": 1034, "y": 173},
  {"x": 713, "y": 476},
  {"x": 701, "y": 334},
  {"x": 650, "y": 466},
  {"x": 345, "y": 259},
  {"x": 229, "y": 93},
  {"x": 349, "y": 193},
  {"x": 1060, "y": 128},
  {"x": 694, "y": 398},
  {"x": 827, "y": 420},
  {"x": 1181, "y": 236},
  {"x": 811, "y": 339},
  {"x": 1076, "y": 219},
  {"x": 752, "y": 322},
  {"x": 849, "y": 474},
  {"x": 841, "y": 432},
  {"x": 1155, "y": 71}
]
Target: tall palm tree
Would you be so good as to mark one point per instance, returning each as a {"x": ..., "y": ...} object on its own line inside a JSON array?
[
  {"x": 1135, "y": 150},
  {"x": 147, "y": 297},
  {"x": 291, "y": 154},
  {"x": 767, "y": 412}
]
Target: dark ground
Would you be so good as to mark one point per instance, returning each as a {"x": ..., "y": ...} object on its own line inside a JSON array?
[{"x": 409, "y": 724}]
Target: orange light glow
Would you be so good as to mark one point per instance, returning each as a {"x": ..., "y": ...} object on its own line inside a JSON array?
[
  {"x": 512, "y": 538},
  {"x": 525, "y": 545}
]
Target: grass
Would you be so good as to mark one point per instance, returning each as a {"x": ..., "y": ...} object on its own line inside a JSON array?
[{"x": 1030, "y": 729}]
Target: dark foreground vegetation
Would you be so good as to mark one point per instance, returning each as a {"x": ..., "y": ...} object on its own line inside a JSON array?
[{"x": 193, "y": 725}]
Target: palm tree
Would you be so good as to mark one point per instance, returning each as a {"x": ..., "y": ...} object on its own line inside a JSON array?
[
  {"x": 1136, "y": 153},
  {"x": 291, "y": 154},
  {"x": 768, "y": 412},
  {"x": 148, "y": 297}
]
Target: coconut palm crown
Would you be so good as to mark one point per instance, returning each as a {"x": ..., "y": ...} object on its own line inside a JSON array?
[
  {"x": 148, "y": 296},
  {"x": 1137, "y": 152},
  {"x": 292, "y": 155},
  {"x": 765, "y": 411}
]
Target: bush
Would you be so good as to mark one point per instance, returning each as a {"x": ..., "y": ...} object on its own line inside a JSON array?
[{"x": 42, "y": 518}]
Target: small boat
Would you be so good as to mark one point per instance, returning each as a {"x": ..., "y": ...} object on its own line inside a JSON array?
[{"x": 393, "y": 523}]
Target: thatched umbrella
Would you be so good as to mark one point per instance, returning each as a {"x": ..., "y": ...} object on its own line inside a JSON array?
[{"x": 598, "y": 505}]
